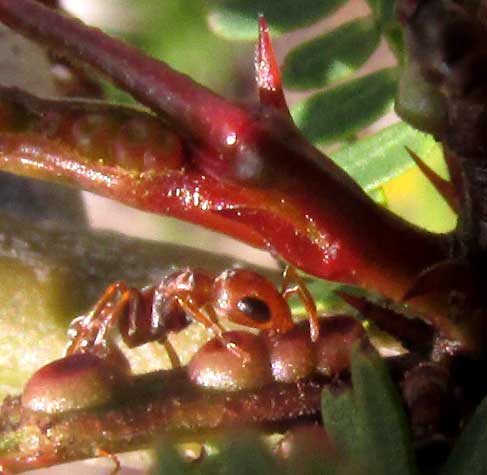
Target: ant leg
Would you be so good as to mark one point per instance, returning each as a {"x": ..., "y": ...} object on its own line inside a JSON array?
[
  {"x": 293, "y": 284},
  {"x": 211, "y": 323},
  {"x": 108, "y": 295},
  {"x": 200, "y": 316},
  {"x": 127, "y": 297},
  {"x": 90, "y": 330},
  {"x": 105, "y": 453},
  {"x": 171, "y": 353}
]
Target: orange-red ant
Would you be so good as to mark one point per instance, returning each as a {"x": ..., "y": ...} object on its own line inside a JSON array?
[
  {"x": 242, "y": 296},
  {"x": 94, "y": 369}
]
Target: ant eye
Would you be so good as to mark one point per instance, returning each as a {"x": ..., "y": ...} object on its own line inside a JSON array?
[
  {"x": 255, "y": 308},
  {"x": 247, "y": 298}
]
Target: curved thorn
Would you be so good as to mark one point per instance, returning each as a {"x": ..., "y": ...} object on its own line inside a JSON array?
[
  {"x": 267, "y": 72},
  {"x": 443, "y": 187},
  {"x": 194, "y": 109},
  {"x": 413, "y": 333}
]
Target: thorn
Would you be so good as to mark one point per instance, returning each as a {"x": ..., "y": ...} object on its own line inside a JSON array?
[
  {"x": 267, "y": 73},
  {"x": 413, "y": 333},
  {"x": 358, "y": 303},
  {"x": 444, "y": 187}
]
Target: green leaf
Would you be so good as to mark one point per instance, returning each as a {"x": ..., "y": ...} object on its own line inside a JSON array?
[
  {"x": 367, "y": 424},
  {"x": 378, "y": 195},
  {"x": 381, "y": 417},
  {"x": 336, "y": 113},
  {"x": 395, "y": 40},
  {"x": 384, "y": 15},
  {"x": 469, "y": 456},
  {"x": 381, "y": 157},
  {"x": 340, "y": 419},
  {"x": 165, "y": 29},
  {"x": 245, "y": 454},
  {"x": 420, "y": 102},
  {"x": 332, "y": 56},
  {"x": 383, "y": 12},
  {"x": 237, "y": 19},
  {"x": 169, "y": 462},
  {"x": 324, "y": 295},
  {"x": 414, "y": 198}
]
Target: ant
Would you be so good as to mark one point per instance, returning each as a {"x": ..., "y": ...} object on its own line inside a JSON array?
[
  {"x": 94, "y": 369},
  {"x": 242, "y": 296}
]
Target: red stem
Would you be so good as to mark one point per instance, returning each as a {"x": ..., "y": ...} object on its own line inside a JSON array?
[
  {"x": 253, "y": 171},
  {"x": 153, "y": 406},
  {"x": 267, "y": 74},
  {"x": 190, "y": 106}
]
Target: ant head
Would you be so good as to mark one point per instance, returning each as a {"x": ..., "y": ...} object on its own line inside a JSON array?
[{"x": 249, "y": 299}]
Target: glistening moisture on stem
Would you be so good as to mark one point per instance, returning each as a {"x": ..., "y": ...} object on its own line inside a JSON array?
[
  {"x": 252, "y": 174},
  {"x": 306, "y": 216}
]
